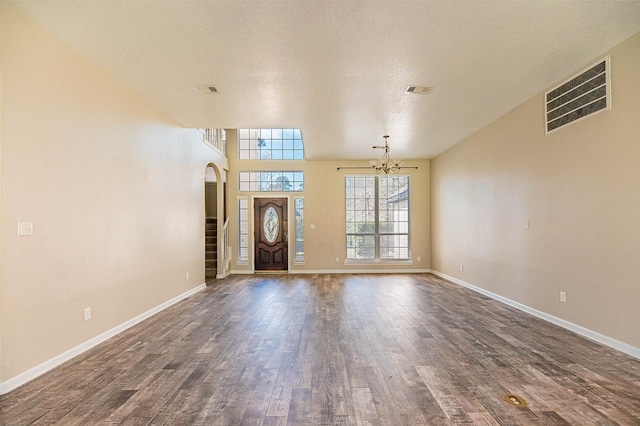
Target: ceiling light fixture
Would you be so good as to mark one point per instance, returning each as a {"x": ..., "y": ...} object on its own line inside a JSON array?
[{"x": 385, "y": 165}]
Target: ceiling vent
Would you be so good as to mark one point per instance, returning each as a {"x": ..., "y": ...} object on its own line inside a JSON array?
[
  {"x": 580, "y": 96},
  {"x": 205, "y": 89},
  {"x": 418, "y": 90}
]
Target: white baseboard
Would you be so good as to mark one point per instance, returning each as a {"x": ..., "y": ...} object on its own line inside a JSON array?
[
  {"x": 241, "y": 272},
  {"x": 343, "y": 271},
  {"x": 578, "y": 329},
  {"x": 361, "y": 271},
  {"x": 38, "y": 370}
]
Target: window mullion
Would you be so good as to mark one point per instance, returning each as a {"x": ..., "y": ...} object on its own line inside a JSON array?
[{"x": 377, "y": 219}]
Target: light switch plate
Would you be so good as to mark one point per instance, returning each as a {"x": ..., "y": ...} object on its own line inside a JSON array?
[{"x": 25, "y": 228}]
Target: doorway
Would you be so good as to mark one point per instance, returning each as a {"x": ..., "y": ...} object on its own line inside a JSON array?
[{"x": 271, "y": 227}]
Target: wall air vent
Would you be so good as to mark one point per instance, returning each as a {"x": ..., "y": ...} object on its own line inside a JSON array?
[
  {"x": 204, "y": 89},
  {"x": 580, "y": 96},
  {"x": 418, "y": 90}
]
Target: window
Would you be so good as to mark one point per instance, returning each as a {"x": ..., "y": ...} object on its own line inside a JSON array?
[
  {"x": 243, "y": 230},
  {"x": 270, "y": 144},
  {"x": 377, "y": 217},
  {"x": 299, "y": 230},
  {"x": 271, "y": 181}
]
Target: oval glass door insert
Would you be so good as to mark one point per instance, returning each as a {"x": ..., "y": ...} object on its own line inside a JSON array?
[{"x": 270, "y": 224}]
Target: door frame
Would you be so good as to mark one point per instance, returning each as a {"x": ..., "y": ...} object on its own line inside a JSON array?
[{"x": 252, "y": 229}]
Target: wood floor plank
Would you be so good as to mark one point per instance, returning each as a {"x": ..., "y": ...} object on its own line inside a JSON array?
[
  {"x": 300, "y": 407},
  {"x": 364, "y": 407},
  {"x": 333, "y": 349}
]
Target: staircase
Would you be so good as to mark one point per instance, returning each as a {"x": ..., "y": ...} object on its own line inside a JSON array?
[{"x": 211, "y": 248}]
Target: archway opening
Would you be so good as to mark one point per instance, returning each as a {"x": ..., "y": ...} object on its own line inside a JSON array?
[{"x": 216, "y": 264}]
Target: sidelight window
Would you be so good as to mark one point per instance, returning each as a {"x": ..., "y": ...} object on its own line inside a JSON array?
[
  {"x": 299, "y": 229},
  {"x": 243, "y": 230}
]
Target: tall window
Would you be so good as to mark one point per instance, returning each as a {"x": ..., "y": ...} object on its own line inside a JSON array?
[
  {"x": 270, "y": 144},
  {"x": 243, "y": 231},
  {"x": 377, "y": 217},
  {"x": 299, "y": 230}
]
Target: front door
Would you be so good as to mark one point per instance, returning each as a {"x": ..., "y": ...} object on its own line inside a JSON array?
[{"x": 270, "y": 216}]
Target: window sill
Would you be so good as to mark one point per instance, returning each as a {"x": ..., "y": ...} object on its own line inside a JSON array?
[{"x": 379, "y": 262}]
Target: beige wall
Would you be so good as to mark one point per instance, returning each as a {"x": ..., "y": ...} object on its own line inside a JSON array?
[
  {"x": 1, "y": 358},
  {"x": 211, "y": 199},
  {"x": 114, "y": 189},
  {"x": 578, "y": 187},
  {"x": 324, "y": 192}
]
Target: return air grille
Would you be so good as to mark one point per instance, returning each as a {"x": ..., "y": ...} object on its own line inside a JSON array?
[{"x": 579, "y": 97}]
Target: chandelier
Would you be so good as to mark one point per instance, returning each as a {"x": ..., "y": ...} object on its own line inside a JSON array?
[{"x": 385, "y": 165}]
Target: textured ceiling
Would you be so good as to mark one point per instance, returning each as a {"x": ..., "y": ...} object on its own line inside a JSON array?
[{"x": 338, "y": 69}]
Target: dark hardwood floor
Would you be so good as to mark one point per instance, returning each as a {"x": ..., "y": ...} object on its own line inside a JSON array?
[{"x": 336, "y": 349}]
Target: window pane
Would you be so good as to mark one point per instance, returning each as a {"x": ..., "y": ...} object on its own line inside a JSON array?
[
  {"x": 265, "y": 133},
  {"x": 394, "y": 246},
  {"x": 361, "y": 246}
]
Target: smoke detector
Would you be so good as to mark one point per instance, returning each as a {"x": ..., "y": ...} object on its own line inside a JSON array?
[
  {"x": 205, "y": 89},
  {"x": 418, "y": 90}
]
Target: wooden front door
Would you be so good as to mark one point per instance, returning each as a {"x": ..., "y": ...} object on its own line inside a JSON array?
[{"x": 270, "y": 225}]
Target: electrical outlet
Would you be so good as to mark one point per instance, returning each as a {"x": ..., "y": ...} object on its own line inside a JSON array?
[
  {"x": 418, "y": 259},
  {"x": 526, "y": 224},
  {"x": 87, "y": 314},
  {"x": 337, "y": 259},
  {"x": 461, "y": 267},
  {"x": 187, "y": 275},
  {"x": 25, "y": 228},
  {"x": 563, "y": 297}
]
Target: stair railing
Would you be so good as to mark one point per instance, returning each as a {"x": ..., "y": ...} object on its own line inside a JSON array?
[
  {"x": 225, "y": 249},
  {"x": 216, "y": 138}
]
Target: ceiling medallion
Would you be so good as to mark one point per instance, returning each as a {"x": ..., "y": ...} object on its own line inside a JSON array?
[{"x": 385, "y": 165}]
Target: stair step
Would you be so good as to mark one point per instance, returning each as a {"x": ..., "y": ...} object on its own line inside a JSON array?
[{"x": 211, "y": 249}]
